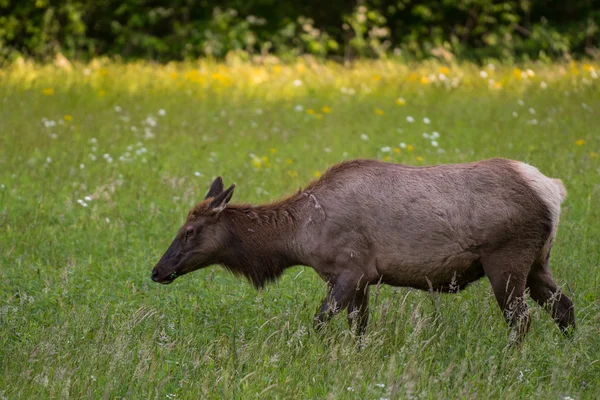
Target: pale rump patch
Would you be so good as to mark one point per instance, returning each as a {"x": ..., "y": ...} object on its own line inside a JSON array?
[{"x": 551, "y": 191}]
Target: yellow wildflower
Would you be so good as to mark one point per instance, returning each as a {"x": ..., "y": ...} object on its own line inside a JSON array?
[
  {"x": 574, "y": 69},
  {"x": 317, "y": 174},
  {"x": 400, "y": 101},
  {"x": 424, "y": 80},
  {"x": 580, "y": 142},
  {"x": 68, "y": 118},
  {"x": 292, "y": 174},
  {"x": 273, "y": 150},
  {"x": 257, "y": 162},
  {"x": 396, "y": 150},
  {"x": 310, "y": 111},
  {"x": 387, "y": 158},
  {"x": 413, "y": 77},
  {"x": 444, "y": 70},
  {"x": 376, "y": 77},
  {"x": 319, "y": 116},
  {"x": 174, "y": 75},
  {"x": 410, "y": 147},
  {"x": 101, "y": 93},
  {"x": 419, "y": 159},
  {"x": 588, "y": 67},
  {"x": 593, "y": 154},
  {"x": 326, "y": 109},
  {"x": 48, "y": 91},
  {"x": 289, "y": 161},
  {"x": 277, "y": 69},
  {"x": 517, "y": 73},
  {"x": 194, "y": 76},
  {"x": 378, "y": 111}
]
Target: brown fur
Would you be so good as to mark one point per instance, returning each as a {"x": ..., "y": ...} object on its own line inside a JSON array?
[{"x": 365, "y": 222}]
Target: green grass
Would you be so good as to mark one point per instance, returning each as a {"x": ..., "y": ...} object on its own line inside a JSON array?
[{"x": 80, "y": 318}]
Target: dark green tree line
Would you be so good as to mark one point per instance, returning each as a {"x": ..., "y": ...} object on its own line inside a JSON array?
[{"x": 179, "y": 29}]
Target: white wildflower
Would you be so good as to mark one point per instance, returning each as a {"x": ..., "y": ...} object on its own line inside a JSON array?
[
  {"x": 118, "y": 109},
  {"x": 148, "y": 133},
  {"x": 386, "y": 149},
  {"x": 434, "y": 143},
  {"x": 162, "y": 112},
  {"x": 150, "y": 121},
  {"x": 297, "y": 83},
  {"x": 364, "y": 137},
  {"x": 410, "y": 119},
  {"x": 483, "y": 74},
  {"x": 426, "y": 120},
  {"x": 298, "y": 108}
]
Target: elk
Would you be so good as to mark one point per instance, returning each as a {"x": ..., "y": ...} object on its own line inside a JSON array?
[{"x": 367, "y": 222}]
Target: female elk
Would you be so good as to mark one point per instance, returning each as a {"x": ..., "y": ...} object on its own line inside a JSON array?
[{"x": 365, "y": 222}]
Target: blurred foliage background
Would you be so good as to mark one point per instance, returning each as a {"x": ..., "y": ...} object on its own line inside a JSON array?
[{"x": 474, "y": 30}]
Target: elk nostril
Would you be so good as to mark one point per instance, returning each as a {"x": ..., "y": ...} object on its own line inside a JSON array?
[{"x": 154, "y": 276}]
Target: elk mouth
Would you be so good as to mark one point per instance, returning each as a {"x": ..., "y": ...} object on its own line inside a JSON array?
[{"x": 165, "y": 281}]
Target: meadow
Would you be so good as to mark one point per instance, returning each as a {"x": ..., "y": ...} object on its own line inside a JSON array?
[{"x": 100, "y": 162}]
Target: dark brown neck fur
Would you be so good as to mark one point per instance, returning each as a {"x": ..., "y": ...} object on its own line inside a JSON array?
[{"x": 261, "y": 239}]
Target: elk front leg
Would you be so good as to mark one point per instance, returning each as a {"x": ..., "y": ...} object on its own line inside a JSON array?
[
  {"x": 338, "y": 297},
  {"x": 358, "y": 310}
]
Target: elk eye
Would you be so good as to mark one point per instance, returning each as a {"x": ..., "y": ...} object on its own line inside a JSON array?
[{"x": 189, "y": 233}]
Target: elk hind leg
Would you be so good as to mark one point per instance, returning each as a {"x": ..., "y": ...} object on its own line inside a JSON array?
[
  {"x": 507, "y": 271},
  {"x": 544, "y": 291}
]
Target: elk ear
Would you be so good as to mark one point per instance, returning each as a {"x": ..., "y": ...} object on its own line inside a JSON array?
[
  {"x": 219, "y": 203},
  {"x": 215, "y": 189}
]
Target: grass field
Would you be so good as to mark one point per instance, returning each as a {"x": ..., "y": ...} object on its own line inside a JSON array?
[{"x": 100, "y": 163}]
